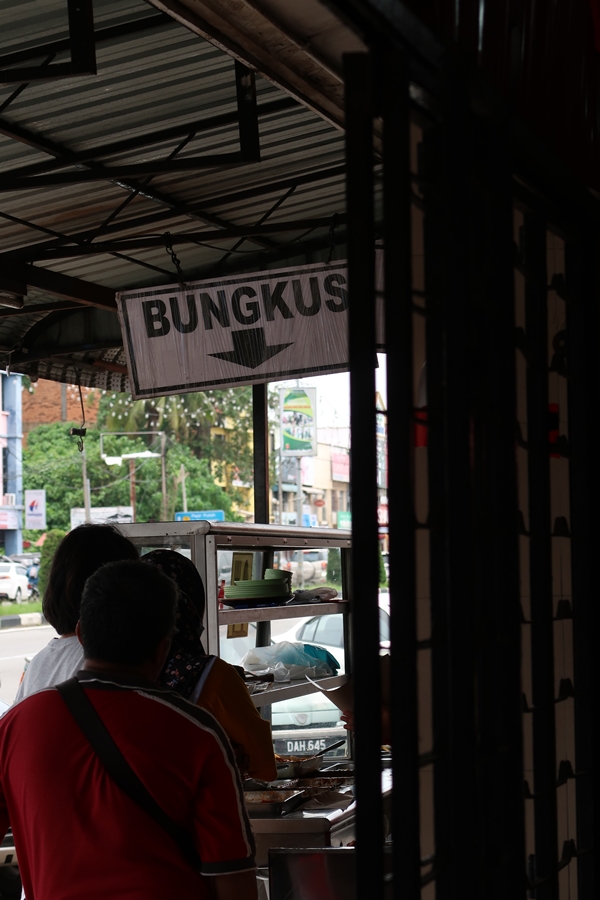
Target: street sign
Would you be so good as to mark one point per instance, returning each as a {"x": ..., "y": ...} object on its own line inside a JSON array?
[
  {"x": 201, "y": 515},
  {"x": 238, "y": 330},
  {"x": 35, "y": 509},
  {"x": 344, "y": 519}
]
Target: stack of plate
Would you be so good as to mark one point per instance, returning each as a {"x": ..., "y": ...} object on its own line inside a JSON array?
[{"x": 274, "y": 590}]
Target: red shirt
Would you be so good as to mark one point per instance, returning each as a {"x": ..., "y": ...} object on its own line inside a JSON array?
[{"x": 78, "y": 835}]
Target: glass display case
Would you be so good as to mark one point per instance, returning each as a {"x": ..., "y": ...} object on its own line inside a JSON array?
[{"x": 304, "y": 553}]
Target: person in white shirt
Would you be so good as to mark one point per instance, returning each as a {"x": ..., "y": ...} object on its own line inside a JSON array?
[{"x": 81, "y": 553}]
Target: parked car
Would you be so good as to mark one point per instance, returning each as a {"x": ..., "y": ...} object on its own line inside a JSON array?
[
  {"x": 14, "y": 583},
  {"x": 314, "y": 566},
  {"x": 328, "y": 631},
  {"x": 301, "y": 725}
]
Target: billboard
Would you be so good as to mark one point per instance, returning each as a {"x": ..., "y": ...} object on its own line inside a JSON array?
[
  {"x": 102, "y": 515},
  {"x": 298, "y": 421},
  {"x": 35, "y": 510}
]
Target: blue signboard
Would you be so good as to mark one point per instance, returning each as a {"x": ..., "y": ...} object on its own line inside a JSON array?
[{"x": 198, "y": 515}]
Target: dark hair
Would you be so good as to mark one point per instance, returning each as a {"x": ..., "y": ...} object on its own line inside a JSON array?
[
  {"x": 78, "y": 556},
  {"x": 127, "y": 608}
]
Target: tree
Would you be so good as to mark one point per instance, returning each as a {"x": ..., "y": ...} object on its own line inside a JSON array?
[
  {"x": 52, "y": 461},
  {"x": 191, "y": 419},
  {"x": 49, "y": 547},
  {"x": 382, "y": 575},
  {"x": 334, "y": 566}
]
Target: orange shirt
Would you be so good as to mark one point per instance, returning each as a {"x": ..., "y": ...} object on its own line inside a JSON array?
[{"x": 226, "y": 696}]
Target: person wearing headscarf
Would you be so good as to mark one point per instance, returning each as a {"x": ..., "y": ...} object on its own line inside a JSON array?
[{"x": 206, "y": 680}]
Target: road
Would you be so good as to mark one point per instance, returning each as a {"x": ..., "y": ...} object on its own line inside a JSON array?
[{"x": 15, "y": 645}]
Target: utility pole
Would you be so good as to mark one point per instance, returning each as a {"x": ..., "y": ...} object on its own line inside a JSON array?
[
  {"x": 163, "y": 462},
  {"x": 299, "y": 512},
  {"x": 132, "y": 485},
  {"x": 86, "y": 490},
  {"x": 182, "y": 477},
  {"x": 280, "y": 484}
]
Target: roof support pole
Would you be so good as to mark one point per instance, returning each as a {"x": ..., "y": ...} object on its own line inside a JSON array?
[
  {"x": 245, "y": 84},
  {"x": 359, "y": 110},
  {"x": 394, "y": 87},
  {"x": 81, "y": 34},
  {"x": 540, "y": 558},
  {"x": 501, "y": 831},
  {"x": 445, "y": 170},
  {"x": 260, "y": 437},
  {"x": 583, "y": 325}
]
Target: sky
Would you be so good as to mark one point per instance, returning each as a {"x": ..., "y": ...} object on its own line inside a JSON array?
[{"x": 333, "y": 394}]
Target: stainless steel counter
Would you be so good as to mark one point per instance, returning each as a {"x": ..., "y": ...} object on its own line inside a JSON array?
[{"x": 312, "y": 827}]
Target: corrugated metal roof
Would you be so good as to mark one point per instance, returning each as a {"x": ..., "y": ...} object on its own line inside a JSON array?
[{"x": 159, "y": 78}]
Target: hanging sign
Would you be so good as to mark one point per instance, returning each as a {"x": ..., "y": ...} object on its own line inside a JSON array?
[
  {"x": 35, "y": 509},
  {"x": 238, "y": 330}
]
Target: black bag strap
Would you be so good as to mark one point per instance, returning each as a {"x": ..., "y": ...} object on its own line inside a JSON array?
[{"x": 118, "y": 768}]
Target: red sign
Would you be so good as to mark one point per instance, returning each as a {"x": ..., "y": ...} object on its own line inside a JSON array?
[{"x": 319, "y": 503}]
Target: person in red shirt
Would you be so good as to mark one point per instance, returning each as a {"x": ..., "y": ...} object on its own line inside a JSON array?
[{"x": 77, "y": 833}]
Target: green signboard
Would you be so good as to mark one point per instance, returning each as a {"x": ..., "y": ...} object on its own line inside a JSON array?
[{"x": 344, "y": 520}]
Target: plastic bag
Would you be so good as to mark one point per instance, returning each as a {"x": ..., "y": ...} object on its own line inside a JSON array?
[{"x": 288, "y": 661}]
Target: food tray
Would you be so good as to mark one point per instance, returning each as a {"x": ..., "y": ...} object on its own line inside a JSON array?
[
  {"x": 316, "y": 786},
  {"x": 296, "y": 767},
  {"x": 253, "y": 602},
  {"x": 272, "y": 803}
]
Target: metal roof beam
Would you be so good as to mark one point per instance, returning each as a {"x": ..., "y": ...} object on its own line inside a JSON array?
[
  {"x": 266, "y": 45},
  {"x": 44, "y": 145},
  {"x": 245, "y": 84},
  {"x": 157, "y": 137},
  {"x": 199, "y": 237},
  {"x": 65, "y": 286},
  {"x": 81, "y": 43},
  {"x": 165, "y": 216},
  {"x": 121, "y": 172},
  {"x": 101, "y": 35},
  {"x": 35, "y": 309},
  {"x": 18, "y": 358}
]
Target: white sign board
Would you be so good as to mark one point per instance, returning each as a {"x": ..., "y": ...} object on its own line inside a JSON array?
[
  {"x": 102, "y": 515},
  {"x": 237, "y": 330},
  {"x": 9, "y": 519},
  {"x": 35, "y": 509}
]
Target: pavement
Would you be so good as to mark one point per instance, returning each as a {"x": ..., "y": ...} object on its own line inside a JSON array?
[
  {"x": 15, "y": 645},
  {"x": 25, "y": 619}
]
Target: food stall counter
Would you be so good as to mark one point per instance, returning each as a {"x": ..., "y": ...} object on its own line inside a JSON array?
[{"x": 313, "y": 827}]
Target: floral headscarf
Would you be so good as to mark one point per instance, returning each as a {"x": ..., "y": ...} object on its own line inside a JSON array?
[{"x": 187, "y": 660}]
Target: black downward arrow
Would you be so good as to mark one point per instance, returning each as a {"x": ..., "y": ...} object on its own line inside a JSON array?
[{"x": 250, "y": 348}]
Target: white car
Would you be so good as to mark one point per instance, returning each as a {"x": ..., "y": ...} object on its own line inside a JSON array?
[
  {"x": 328, "y": 631},
  {"x": 311, "y": 722},
  {"x": 314, "y": 565},
  {"x": 14, "y": 583}
]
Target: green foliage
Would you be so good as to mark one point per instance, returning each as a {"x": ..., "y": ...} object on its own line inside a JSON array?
[
  {"x": 188, "y": 419},
  {"x": 334, "y": 566},
  {"x": 382, "y": 575},
  {"x": 53, "y": 539},
  {"x": 52, "y": 461},
  {"x": 19, "y": 609}
]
